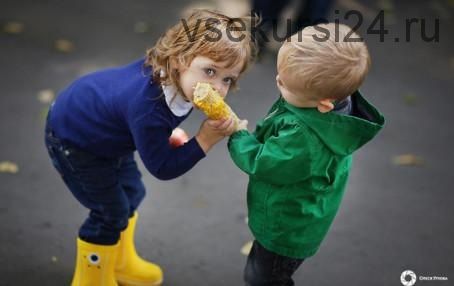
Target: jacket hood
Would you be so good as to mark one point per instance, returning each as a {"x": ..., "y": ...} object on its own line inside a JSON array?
[{"x": 343, "y": 134}]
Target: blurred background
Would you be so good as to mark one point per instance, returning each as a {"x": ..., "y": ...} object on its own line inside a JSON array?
[{"x": 397, "y": 213}]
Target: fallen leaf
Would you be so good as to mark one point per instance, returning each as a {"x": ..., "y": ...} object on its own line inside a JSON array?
[
  {"x": 386, "y": 5},
  {"x": 367, "y": 12},
  {"x": 64, "y": 46},
  {"x": 13, "y": 27},
  {"x": 451, "y": 3},
  {"x": 440, "y": 10},
  {"x": 46, "y": 95},
  {"x": 8, "y": 167},
  {"x": 246, "y": 249},
  {"x": 140, "y": 27},
  {"x": 200, "y": 202},
  {"x": 86, "y": 68},
  {"x": 43, "y": 114},
  {"x": 410, "y": 99},
  {"x": 408, "y": 160}
]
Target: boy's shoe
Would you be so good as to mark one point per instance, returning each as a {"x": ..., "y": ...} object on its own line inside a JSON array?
[
  {"x": 95, "y": 264},
  {"x": 130, "y": 269}
]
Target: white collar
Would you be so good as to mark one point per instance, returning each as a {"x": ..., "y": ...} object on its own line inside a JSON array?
[{"x": 175, "y": 101}]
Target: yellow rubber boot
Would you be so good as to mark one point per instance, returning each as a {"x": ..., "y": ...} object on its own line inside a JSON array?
[
  {"x": 131, "y": 270},
  {"x": 95, "y": 264}
]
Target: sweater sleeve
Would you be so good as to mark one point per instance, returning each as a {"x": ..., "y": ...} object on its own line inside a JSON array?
[
  {"x": 151, "y": 137},
  {"x": 281, "y": 159}
]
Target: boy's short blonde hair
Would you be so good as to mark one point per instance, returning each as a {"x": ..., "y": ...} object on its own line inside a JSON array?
[
  {"x": 203, "y": 33},
  {"x": 322, "y": 65}
]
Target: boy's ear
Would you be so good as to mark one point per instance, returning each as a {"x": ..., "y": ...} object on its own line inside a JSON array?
[
  {"x": 325, "y": 105},
  {"x": 278, "y": 81}
]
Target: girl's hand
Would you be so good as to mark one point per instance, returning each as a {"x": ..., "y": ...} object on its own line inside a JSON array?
[
  {"x": 213, "y": 131},
  {"x": 224, "y": 126}
]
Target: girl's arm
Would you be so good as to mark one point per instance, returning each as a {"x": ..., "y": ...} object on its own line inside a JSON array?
[
  {"x": 164, "y": 162},
  {"x": 151, "y": 138}
]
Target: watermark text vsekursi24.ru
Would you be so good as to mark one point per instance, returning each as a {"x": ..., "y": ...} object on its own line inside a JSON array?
[{"x": 429, "y": 29}]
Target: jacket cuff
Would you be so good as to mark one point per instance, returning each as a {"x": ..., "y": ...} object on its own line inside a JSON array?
[{"x": 237, "y": 134}]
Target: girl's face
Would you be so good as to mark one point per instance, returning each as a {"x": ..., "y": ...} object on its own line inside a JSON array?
[{"x": 203, "y": 69}]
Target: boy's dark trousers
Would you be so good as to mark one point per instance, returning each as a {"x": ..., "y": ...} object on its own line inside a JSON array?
[
  {"x": 111, "y": 188},
  {"x": 265, "y": 268}
]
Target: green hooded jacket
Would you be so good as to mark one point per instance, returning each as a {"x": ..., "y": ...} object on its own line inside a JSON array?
[{"x": 298, "y": 161}]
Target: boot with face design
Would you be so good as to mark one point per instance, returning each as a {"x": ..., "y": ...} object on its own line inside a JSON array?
[{"x": 95, "y": 264}]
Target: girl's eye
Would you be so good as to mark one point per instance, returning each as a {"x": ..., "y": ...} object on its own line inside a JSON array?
[
  {"x": 210, "y": 72},
  {"x": 228, "y": 80}
]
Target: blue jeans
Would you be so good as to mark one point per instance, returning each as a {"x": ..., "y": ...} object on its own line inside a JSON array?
[
  {"x": 111, "y": 188},
  {"x": 265, "y": 268}
]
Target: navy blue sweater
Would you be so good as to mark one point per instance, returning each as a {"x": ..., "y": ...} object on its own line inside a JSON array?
[{"x": 116, "y": 111}]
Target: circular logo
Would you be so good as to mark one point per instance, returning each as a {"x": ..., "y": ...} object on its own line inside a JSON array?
[{"x": 408, "y": 278}]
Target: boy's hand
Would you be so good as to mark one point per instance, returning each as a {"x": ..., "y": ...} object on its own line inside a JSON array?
[{"x": 242, "y": 125}]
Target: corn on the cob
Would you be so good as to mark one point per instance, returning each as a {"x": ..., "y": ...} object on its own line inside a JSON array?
[{"x": 207, "y": 99}]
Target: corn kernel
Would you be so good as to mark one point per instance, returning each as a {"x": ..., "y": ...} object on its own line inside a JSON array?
[{"x": 207, "y": 99}]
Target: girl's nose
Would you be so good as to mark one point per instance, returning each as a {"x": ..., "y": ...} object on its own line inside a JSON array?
[{"x": 220, "y": 88}]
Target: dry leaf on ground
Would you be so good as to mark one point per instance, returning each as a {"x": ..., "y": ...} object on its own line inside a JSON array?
[
  {"x": 408, "y": 160},
  {"x": 451, "y": 3},
  {"x": 46, "y": 95},
  {"x": 8, "y": 167},
  {"x": 410, "y": 99},
  {"x": 386, "y": 5},
  {"x": 140, "y": 27},
  {"x": 199, "y": 202},
  {"x": 246, "y": 248},
  {"x": 13, "y": 27},
  {"x": 64, "y": 46}
]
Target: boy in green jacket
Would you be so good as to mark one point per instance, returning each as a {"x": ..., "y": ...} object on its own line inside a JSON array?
[{"x": 299, "y": 157}]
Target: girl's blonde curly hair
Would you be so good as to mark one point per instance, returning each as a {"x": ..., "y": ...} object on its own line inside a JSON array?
[{"x": 204, "y": 33}]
